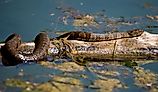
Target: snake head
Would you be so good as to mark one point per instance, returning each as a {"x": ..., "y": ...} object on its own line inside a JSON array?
[{"x": 135, "y": 32}]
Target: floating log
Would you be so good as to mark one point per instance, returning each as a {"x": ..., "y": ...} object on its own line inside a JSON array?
[{"x": 130, "y": 45}]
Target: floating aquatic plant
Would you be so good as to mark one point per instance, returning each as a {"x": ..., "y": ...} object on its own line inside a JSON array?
[
  {"x": 130, "y": 64},
  {"x": 146, "y": 79}
]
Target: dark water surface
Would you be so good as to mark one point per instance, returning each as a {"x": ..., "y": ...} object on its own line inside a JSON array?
[{"x": 29, "y": 17}]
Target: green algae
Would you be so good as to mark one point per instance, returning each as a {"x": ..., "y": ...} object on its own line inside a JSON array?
[
  {"x": 68, "y": 81},
  {"x": 62, "y": 83},
  {"x": 19, "y": 83},
  {"x": 130, "y": 64},
  {"x": 72, "y": 81},
  {"x": 108, "y": 85},
  {"x": 45, "y": 87},
  {"x": 84, "y": 21},
  {"x": 58, "y": 84},
  {"x": 66, "y": 66},
  {"x": 145, "y": 79}
]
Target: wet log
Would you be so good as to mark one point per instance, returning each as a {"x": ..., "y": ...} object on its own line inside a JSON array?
[{"x": 142, "y": 47}]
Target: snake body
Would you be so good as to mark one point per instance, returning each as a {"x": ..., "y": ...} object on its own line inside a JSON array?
[
  {"x": 11, "y": 55},
  {"x": 9, "y": 50},
  {"x": 42, "y": 43},
  {"x": 93, "y": 37}
]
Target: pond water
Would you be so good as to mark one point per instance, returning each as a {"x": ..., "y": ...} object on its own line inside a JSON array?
[{"x": 29, "y": 17}]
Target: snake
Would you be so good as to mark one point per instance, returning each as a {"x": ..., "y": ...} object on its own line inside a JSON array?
[
  {"x": 11, "y": 55},
  {"x": 94, "y": 37},
  {"x": 9, "y": 50}
]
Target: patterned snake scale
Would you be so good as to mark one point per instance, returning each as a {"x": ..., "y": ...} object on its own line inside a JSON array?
[
  {"x": 93, "y": 37},
  {"x": 11, "y": 54}
]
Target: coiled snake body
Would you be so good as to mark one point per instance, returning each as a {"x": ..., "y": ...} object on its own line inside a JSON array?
[{"x": 11, "y": 55}]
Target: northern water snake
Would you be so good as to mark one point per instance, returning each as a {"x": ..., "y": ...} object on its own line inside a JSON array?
[
  {"x": 11, "y": 55},
  {"x": 93, "y": 37},
  {"x": 134, "y": 43},
  {"x": 9, "y": 50}
]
